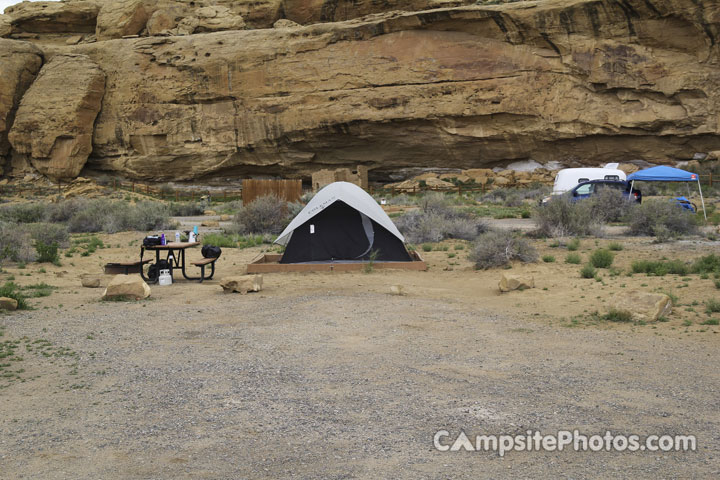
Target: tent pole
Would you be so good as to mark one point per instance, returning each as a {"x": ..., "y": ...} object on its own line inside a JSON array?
[{"x": 701, "y": 198}]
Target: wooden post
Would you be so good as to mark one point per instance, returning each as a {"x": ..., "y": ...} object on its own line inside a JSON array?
[
  {"x": 710, "y": 179},
  {"x": 147, "y": 189},
  {"x": 115, "y": 184},
  {"x": 133, "y": 186}
]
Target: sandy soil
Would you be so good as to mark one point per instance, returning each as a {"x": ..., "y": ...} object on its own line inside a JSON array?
[{"x": 330, "y": 376}]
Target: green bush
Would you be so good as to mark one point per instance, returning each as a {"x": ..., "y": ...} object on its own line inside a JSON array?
[
  {"x": 427, "y": 247},
  {"x": 548, "y": 258},
  {"x": 573, "y": 258},
  {"x": 712, "y": 306},
  {"x": 615, "y": 246},
  {"x": 11, "y": 290},
  {"x": 660, "y": 268},
  {"x": 617, "y": 315},
  {"x": 601, "y": 258},
  {"x": 47, "y": 253},
  {"x": 499, "y": 248},
  {"x": 16, "y": 243},
  {"x": 707, "y": 264},
  {"x": 573, "y": 244},
  {"x": 588, "y": 271},
  {"x": 661, "y": 219}
]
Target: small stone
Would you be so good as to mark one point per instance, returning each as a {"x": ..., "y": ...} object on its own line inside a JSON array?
[
  {"x": 209, "y": 213},
  {"x": 74, "y": 40},
  {"x": 225, "y": 218},
  {"x": 8, "y": 303},
  {"x": 242, "y": 284},
  {"x": 91, "y": 280},
  {"x": 509, "y": 282},
  {"x": 397, "y": 290}
]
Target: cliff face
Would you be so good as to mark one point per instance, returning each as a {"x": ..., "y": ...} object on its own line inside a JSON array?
[{"x": 574, "y": 81}]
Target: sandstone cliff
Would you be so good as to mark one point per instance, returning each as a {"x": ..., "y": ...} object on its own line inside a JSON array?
[{"x": 574, "y": 81}]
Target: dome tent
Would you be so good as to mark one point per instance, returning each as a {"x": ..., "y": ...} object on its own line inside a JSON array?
[{"x": 342, "y": 223}]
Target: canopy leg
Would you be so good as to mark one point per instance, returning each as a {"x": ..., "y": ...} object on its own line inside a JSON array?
[{"x": 701, "y": 198}]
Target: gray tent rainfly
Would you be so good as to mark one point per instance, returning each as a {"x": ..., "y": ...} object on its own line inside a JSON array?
[{"x": 342, "y": 223}]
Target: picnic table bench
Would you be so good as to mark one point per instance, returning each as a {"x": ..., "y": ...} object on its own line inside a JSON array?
[
  {"x": 125, "y": 267},
  {"x": 177, "y": 250}
]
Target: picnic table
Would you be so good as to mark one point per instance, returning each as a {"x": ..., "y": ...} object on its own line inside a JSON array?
[{"x": 177, "y": 250}]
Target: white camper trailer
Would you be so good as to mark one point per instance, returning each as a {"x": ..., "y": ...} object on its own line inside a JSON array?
[{"x": 567, "y": 178}]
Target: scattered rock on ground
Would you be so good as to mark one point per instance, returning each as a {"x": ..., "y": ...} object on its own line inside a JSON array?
[
  {"x": 90, "y": 280},
  {"x": 242, "y": 284},
  {"x": 225, "y": 218},
  {"x": 8, "y": 303},
  {"x": 210, "y": 223},
  {"x": 397, "y": 290},
  {"x": 131, "y": 286},
  {"x": 510, "y": 282},
  {"x": 644, "y": 306}
]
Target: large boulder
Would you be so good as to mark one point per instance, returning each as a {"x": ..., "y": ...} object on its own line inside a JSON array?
[
  {"x": 242, "y": 284},
  {"x": 509, "y": 282},
  {"x": 54, "y": 124},
  {"x": 644, "y": 306},
  {"x": 5, "y": 26},
  {"x": 118, "y": 18},
  {"x": 127, "y": 286},
  {"x": 54, "y": 17},
  {"x": 19, "y": 63}
]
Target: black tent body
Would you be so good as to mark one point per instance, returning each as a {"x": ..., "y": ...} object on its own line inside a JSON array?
[{"x": 339, "y": 232}]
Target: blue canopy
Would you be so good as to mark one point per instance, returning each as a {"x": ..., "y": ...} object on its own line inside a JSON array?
[
  {"x": 663, "y": 174},
  {"x": 667, "y": 174}
]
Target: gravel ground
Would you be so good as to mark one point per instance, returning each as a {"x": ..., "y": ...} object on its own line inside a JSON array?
[{"x": 341, "y": 385}]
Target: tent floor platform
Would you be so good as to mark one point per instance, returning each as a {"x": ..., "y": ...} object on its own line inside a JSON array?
[{"x": 269, "y": 263}]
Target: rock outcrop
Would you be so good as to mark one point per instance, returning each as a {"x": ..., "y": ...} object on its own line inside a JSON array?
[
  {"x": 19, "y": 63},
  {"x": 573, "y": 81},
  {"x": 54, "y": 123},
  {"x": 54, "y": 17}
]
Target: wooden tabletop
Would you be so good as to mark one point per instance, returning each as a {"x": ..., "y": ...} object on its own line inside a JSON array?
[{"x": 173, "y": 246}]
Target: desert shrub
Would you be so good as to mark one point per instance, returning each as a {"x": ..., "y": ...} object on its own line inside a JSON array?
[
  {"x": 47, "y": 253},
  {"x": 62, "y": 212},
  {"x": 548, "y": 258},
  {"x": 16, "y": 243},
  {"x": 102, "y": 215},
  {"x": 439, "y": 224},
  {"x": 145, "y": 216},
  {"x": 11, "y": 290},
  {"x": 617, "y": 315},
  {"x": 561, "y": 217},
  {"x": 659, "y": 268},
  {"x": 661, "y": 219},
  {"x": 186, "y": 209},
  {"x": 427, "y": 247},
  {"x": 573, "y": 244},
  {"x": 401, "y": 199},
  {"x": 588, "y": 271},
  {"x": 609, "y": 205},
  {"x": 573, "y": 258},
  {"x": 601, "y": 258},
  {"x": 615, "y": 246},
  {"x": 266, "y": 214},
  {"x": 49, "y": 233},
  {"x": 23, "y": 213},
  {"x": 499, "y": 248},
  {"x": 707, "y": 264},
  {"x": 712, "y": 306}
]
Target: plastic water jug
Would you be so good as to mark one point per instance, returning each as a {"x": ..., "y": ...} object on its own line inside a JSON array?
[
  {"x": 177, "y": 237},
  {"x": 164, "y": 278}
]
